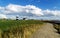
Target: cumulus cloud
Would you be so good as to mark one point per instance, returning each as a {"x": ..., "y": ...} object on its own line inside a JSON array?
[
  {"x": 28, "y": 10},
  {"x": 23, "y": 9},
  {"x": 2, "y": 16},
  {"x": 52, "y": 12}
]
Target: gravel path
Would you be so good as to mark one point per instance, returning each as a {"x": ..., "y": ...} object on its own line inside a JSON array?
[{"x": 47, "y": 31}]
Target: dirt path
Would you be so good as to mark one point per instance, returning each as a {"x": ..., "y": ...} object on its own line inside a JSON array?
[{"x": 47, "y": 31}]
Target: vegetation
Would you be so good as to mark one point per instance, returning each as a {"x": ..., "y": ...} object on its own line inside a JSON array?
[
  {"x": 18, "y": 28},
  {"x": 57, "y": 26}
]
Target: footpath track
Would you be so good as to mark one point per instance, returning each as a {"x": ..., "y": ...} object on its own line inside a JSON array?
[{"x": 46, "y": 31}]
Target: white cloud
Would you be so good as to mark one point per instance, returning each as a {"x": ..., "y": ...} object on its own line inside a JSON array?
[
  {"x": 2, "y": 16},
  {"x": 21, "y": 9},
  {"x": 52, "y": 12},
  {"x": 1, "y": 8},
  {"x": 28, "y": 9}
]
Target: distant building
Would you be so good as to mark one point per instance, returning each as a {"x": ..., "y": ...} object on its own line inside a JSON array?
[
  {"x": 24, "y": 18},
  {"x": 17, "y": 18}
]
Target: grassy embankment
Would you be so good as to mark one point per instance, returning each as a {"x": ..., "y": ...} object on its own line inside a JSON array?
[
  {"x": 19, "y": 28},
  {"x": 57, "y": 26}
]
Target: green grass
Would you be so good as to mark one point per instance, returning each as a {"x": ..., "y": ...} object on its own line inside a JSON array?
[
  {"x": 22, "y": 27},
  {"x": 6, "y": 24}
]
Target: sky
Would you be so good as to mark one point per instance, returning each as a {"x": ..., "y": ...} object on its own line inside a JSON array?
[
  {"x": 30, "y": 8},
  {"x": 44, "y": 4}
]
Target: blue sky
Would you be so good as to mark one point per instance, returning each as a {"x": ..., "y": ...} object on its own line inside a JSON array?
[
  {"x": 40, "y": 8},
  {"x": 44, "y": 4}
]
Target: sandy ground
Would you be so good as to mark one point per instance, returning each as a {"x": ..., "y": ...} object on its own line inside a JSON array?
[{"x": 46, "y": 31}]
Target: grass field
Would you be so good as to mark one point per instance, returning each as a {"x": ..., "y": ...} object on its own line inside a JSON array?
[{"x": 18, "y": 28}]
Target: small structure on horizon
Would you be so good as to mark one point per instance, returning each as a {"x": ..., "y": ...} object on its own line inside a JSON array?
[
  {"x": 17, "y": 18},
  {"x": 24, "y": 18}
]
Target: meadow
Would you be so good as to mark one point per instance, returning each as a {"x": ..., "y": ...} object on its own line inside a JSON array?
[{"x": 18, "y": 28}]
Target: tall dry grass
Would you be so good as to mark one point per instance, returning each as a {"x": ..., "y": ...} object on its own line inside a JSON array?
[{"x": 18, "y": 29}]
